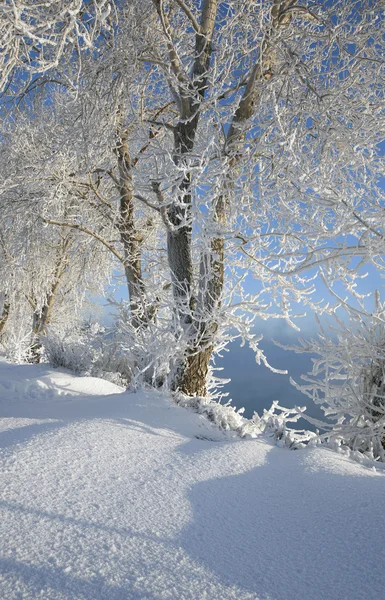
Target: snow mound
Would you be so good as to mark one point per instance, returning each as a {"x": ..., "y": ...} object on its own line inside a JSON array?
[
  {"x": 110, "y": 495},
  {"x": 41, "y": 382}
]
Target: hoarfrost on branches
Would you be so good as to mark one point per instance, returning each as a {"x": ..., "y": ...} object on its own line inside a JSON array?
[
  {"x": 35, "y": 36},
  {"x": 225, "y": 160}
]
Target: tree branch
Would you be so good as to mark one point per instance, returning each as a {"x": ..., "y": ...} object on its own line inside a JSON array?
[
  {"x": 189, "y": 15},
  {"x": 175, "y": 63},
  {"x": 147, "y": 202},
  {"x": 163, "y": 209},
  {"x": 98, "y": 237}
]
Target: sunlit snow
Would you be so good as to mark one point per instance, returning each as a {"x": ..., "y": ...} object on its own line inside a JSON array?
[{"x": 110, "y": 495}]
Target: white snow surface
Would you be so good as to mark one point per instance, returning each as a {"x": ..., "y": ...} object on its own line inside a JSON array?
[{"x": 109, "y": 495}]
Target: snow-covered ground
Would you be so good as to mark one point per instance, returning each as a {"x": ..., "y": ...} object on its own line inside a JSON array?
[{"x": 110, "y": 495}]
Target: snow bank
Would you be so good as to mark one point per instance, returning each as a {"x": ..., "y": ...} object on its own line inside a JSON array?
[{"x": 109, "y": 495}]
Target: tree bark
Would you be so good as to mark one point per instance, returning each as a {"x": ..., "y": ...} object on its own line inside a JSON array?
[
  {"x": 193, "y": 379},
  {"x": 194, "y": 375},
  {"x": 4, "y": 315},
  {"x": 41, "y": 319},
  {"x": 40, "y": 322},
  {"x": 131, "y": 240},
  {"x": 191, "y": 91}
]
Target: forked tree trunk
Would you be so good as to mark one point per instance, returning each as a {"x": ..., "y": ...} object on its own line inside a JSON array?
[
  {"x": 192, "y": 377},
  {"x": 190, "y": 95}
]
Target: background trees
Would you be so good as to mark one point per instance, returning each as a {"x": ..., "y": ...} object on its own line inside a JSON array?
[{"x": 48, "y": 272}]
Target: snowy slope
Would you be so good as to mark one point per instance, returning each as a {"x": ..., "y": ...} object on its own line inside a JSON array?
[{"x": 108, "y": 495}]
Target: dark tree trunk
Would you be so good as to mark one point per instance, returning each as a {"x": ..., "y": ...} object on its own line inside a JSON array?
[
  {"x": 131, "y": 240},
  {"x": 191, "y": 93},
  {"x": 193, "y": 379},
  {"x": 40, "y": 322},
  {"x": 193, "y": 375},
  {"x": 4, "y": 315}
]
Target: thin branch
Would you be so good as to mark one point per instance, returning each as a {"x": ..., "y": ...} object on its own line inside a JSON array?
[
  {"x": 30, "y": 302},
  {"x": 98, "y": 237},
  {"x": 189, "y": 14},
  {"x": 162, "y": 206},
  {"x": 147, "y": 202},
  {"x": 160, "y": 124},
  {"x": 97, "y": 193},
  {"x": 114, "y": 179},
  {"x": 175, "y": 63}
]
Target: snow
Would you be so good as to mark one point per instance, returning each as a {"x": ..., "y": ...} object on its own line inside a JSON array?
[{"x": 110, "y": 495}]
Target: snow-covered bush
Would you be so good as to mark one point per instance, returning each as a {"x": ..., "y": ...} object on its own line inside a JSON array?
[
  {"x": 90, "y": 350},
  {"x": 348, "y": 381},
  {"x": 148, "y": 350},
  {"x": 275, "y": 422},
  {"x": 15, "y": 341},
  {"x": 15, "y": 344},
  {"x": 226, "y": 417}
]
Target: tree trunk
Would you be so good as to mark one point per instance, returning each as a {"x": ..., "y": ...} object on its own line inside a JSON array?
[
  {"x": 130, "y": 237},
  {"x": 40, "y": 322},
  {"x": 179, "y": 237},
  {"x": 41, "y": 319},
  {"x": 193, "y": 378},
  {"x": 189, "y": 98},
  {"x": 193, "y": 375},
  {"x": 4, "y": 315}
]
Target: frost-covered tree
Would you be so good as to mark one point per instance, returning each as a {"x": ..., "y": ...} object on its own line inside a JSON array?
[
  {"x": 5, "y": 299},
  {"x": 47, "y": 271},
  {"x": 250, "y": 135},
  {"x": 104, "y": 202},
  {"x": 268, "y": 165}
]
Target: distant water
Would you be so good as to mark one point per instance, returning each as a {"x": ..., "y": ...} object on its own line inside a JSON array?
[{"x": 255, "y": 387}]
